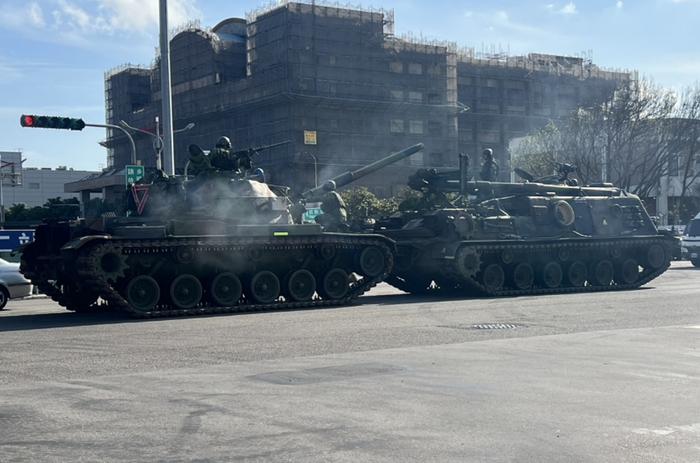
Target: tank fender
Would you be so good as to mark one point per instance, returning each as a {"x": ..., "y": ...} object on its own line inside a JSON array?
[{"x": 78, "y": 243}]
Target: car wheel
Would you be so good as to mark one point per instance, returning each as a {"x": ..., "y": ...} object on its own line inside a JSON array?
[{"x": 4, "y": 297}]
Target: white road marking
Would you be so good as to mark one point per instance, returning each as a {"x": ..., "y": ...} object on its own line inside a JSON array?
[{"x": 688, "y": 428}]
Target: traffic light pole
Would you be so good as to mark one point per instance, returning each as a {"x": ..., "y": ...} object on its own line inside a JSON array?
[
  {"x": 126, "y": 132},
  {"x": 68, "y": 123},
  {"x": 166, "y": 92}
]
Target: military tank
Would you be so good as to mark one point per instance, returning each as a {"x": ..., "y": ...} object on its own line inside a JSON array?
[
  {"x": 219, "y": 242},
  {"x": 507, "y": 239}
]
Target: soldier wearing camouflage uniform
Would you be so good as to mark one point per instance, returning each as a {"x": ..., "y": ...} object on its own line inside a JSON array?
[
  {"x": 489, "y": 167},
  {"x": 335, "y": 215}
]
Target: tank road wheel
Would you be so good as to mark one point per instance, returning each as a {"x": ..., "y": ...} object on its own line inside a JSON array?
[
  {"x": 523, "y": 276},
  {"x": 468, "y": 262},
  {"x": 493, "y": 278},
  {"x": 143, "y": 293},
  {"x": 627, "y": 272},
  {"x": 552, "y": 275},
  {"x": 111, "y": 262},
  {"x": 335, "y": 284},
  {"x": 301, "y": 286},
  {"x": 507, "y": 257},
  {"x": 264, "y": 287},
  {"x": 564, "y": 255},
  {"x": 226, "y": 289},
  {"x": 184, "y": 255},
  {"x": 327, "y": 252},
  {"x": 577, "y": 274},
  {"x": 372, "y": 262},
  {"x": 656, "y": 256},
  {"x": 603, "y": 273},
  {"x": 186, "y": 291}
]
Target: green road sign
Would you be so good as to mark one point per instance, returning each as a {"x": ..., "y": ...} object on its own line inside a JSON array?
[
  {"x": 134, "y": 174},
  {"x": 312, "y": 211}
]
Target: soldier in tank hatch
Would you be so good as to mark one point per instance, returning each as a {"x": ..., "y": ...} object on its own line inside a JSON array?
[
  {"x": 222, "y": 158},
  {"x": 489, "y": 167},
  {"x": 335, "y": 215}
]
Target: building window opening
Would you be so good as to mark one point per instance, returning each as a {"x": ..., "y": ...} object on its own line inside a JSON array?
[
  {"x": 415, "y": 127},
  {"x": 397, "y": 126}
]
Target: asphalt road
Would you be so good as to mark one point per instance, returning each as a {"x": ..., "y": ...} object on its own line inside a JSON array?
[{"x": 587, "y": 377}]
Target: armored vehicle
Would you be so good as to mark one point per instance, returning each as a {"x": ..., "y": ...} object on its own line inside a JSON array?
[
  {"x": 219, "y": 242},
  {"x": 508, "y": 239}
]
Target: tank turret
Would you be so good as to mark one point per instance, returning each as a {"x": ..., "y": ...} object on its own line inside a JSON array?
[{"x": 215, "y": 242}]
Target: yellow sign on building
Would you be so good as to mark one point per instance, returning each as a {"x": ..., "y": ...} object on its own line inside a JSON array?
[{"x": 310, "y": 137}]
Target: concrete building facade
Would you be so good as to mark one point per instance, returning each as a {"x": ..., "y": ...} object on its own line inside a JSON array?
[
  {"x": 343, "y": 90},
  {"x": 33, "y": 186}
]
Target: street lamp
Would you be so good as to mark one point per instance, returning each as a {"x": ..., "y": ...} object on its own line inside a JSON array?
[{"x": 157, "y": 138}]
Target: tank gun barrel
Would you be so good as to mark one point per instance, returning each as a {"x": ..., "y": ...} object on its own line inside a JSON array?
[
  {"x": 498, "y": 189},
  {"x": 261, "y": 148},
  {"x": 351, "y": 176}
]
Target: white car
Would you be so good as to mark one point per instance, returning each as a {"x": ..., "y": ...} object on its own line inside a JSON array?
[
  {"x": 691, "y": 241},
  {"x": 12, "y": 283}
]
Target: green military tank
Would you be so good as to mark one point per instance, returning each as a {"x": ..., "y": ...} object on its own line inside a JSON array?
[
  {"x": 218, "y": 242},
  {"x": 509, "y": 239}
]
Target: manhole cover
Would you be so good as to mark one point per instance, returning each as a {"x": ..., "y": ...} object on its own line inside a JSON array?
[{"x": 496, "y": 326}]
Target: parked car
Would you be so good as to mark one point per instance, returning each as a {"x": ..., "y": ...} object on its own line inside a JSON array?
[
  {"x": 691, "y": 241},
  {"x": 13, "y": 285}
]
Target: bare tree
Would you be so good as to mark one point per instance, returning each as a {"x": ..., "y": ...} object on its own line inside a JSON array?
[
  {"x": 623, "y": 140},
  {"x": 684, "y": 143}
]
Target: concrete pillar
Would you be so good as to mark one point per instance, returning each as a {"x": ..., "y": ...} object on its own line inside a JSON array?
[{"x": 84, "y": 199}]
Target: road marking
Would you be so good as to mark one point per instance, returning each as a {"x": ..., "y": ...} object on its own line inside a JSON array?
[{"x": 689, "y": 428}]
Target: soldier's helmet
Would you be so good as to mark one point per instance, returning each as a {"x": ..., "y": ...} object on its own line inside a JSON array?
[
  {"x": 329, "y": 185},
  {"x": 224, "y": 142},
  {"x": 259, "y": 175},
  {"x": 488, "y": 153}
]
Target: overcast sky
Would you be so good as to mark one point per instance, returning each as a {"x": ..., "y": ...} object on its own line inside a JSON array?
[{"x": 55, "y": 52}]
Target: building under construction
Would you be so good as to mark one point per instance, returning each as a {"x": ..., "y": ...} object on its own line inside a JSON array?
[{"x": 343, "y": 89}]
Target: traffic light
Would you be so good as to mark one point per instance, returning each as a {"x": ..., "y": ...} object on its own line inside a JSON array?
[{"x": 51, "y": 122}]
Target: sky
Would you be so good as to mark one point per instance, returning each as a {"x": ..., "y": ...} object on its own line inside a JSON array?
[{"x": 54, "y": 52}]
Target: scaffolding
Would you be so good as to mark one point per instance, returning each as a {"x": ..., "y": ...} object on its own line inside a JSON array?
[
  {"x": 342, "y": 72},
  {"x": 328, "y": 8},
  {"x": 577, "y": 67}
]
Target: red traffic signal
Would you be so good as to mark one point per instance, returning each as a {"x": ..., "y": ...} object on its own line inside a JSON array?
[
  {"x": 27, "y": 121},
  {"x": 51, "y": 122}
]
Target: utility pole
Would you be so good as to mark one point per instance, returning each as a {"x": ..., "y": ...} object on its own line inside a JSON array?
[{"x": 166, "y": 92}]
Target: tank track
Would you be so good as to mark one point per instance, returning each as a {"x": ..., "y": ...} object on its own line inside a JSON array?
[
  {"x": 472, "y": 286},
  {"x": 88, "y": 272},
  {"x": 36, "y": 273}
]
